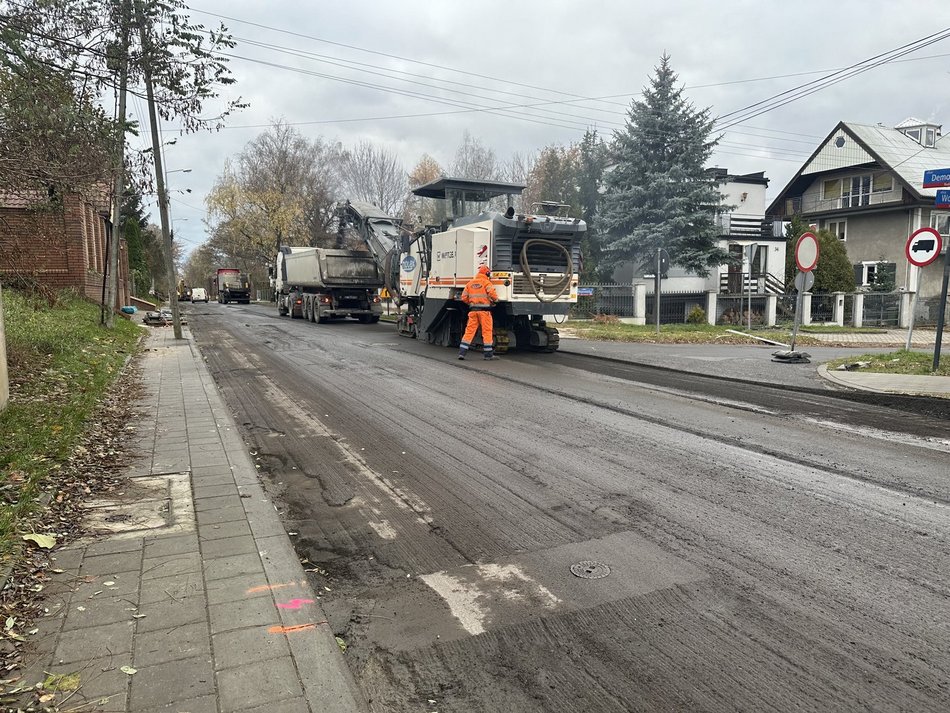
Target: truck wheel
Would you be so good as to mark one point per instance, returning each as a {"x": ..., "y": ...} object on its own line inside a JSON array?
[
  {"x": 313, "y": 310},
  {"x": 321, "y": 319}
]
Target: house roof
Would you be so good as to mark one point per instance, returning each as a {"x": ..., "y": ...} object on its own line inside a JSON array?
[
  {"x": 903, "y": 155},
  {"x": 97, "y": 196},
  {"x": 912, "y": 122},
  {"x": 887, "y": 147}
]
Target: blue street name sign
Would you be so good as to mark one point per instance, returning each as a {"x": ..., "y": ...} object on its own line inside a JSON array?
[
  {"x": 942, "y": 200},
  {"x": 585, "y": 291},
  {"x": 937, "y": 178}
]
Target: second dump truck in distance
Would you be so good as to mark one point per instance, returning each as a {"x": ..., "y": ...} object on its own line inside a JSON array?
[
  {"x": 320, "y": 284},
  {"x": 232, "y": 286}
]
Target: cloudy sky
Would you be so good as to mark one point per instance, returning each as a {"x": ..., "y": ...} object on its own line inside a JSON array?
[{"x": 566, "y": 65}]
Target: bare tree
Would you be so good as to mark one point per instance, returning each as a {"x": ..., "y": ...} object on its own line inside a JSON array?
[
  {"x": 280, "y": 190},
  {"x": 416, "y": 211},
  {"x": 476, "y": 161},
  {"x": 375, "y": 175}
]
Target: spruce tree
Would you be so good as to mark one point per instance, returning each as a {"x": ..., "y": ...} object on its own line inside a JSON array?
[{"x": 659, "y": 193}]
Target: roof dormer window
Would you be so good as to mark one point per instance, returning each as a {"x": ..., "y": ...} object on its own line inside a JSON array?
[{"x": 923, "y": 132}]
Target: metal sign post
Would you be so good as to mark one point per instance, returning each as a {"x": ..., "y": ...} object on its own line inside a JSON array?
[
  {"x": 751, "y": 255},
  {"x": 656, "y": 290},
  {"x": 922, "y": 248},
  {"x": 943, "y": 309},
  {"x": 936, "y": 178},
  {"x": 803, "y": 283},
  {"x": 806, "y": 257}
]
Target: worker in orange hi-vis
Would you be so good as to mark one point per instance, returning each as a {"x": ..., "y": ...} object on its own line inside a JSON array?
[{"x": 480, "y": 296}]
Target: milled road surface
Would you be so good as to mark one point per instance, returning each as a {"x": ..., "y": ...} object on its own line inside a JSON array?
[{"x": 767, "y": 549}]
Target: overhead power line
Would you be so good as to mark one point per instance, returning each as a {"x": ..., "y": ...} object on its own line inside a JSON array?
[
  {"x": 779, "y": 100},
  {"x": 577, "y": 97},
  {"x": 387, "y": 73}
]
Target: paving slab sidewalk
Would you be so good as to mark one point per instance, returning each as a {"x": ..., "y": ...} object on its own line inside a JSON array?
[{"x": 202, "y": 594}]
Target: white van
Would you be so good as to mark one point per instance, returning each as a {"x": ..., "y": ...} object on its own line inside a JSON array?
[{"x": 199, "y": 294}]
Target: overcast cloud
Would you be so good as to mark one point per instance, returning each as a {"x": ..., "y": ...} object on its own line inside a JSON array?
[{"x": 586, "y": 49}]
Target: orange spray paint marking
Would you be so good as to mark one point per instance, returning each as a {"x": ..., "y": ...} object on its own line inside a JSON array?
[
  {"x": 293, "y": 629},
  {"x": 270, "y": 587}
]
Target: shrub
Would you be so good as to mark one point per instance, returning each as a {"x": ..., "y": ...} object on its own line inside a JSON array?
[{"x": 697, "y": 315}]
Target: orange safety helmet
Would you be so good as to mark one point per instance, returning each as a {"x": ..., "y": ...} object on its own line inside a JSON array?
[{"x": 484, "y": 270}]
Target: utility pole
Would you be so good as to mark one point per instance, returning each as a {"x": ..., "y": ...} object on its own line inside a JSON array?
[
  {"x": 159, "y": 175},
  {"x": 118, "y": 182}
]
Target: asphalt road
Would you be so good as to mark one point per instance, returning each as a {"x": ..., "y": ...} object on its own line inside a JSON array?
[{"x": 764, "y": 548}]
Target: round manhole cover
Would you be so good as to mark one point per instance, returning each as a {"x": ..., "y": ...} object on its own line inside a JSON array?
[{"x": 588, "y": 569}]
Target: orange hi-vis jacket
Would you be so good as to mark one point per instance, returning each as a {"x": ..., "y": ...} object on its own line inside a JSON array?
[{"x": 479, "y": 293}]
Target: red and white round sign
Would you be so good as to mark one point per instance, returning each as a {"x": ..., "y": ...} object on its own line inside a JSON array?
[
  {"x": 923, "y": 247},
  {"x": 806, "y": 252}
]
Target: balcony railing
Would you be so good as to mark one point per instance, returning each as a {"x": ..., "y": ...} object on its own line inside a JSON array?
[
  {"x": 736, "y": 283},
  {"x": 800, "y": 205}
]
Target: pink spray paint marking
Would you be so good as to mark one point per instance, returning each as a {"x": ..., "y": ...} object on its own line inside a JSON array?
[{"x": 294, "y": 603}]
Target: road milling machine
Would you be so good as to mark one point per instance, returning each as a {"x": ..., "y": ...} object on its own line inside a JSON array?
[{"x": 534, "y": 259}]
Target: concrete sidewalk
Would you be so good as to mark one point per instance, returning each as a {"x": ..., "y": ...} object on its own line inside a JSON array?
[{"x": 197, "y": 602}]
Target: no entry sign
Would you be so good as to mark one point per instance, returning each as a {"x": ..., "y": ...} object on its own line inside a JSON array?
[{"x": 806, "y": 252}]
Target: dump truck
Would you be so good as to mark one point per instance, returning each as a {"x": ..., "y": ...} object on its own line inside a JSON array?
[
  {"x": 320, "y": 284},
  {"x": 232, "y": 285},
  {"x": 534, "y": 257}
]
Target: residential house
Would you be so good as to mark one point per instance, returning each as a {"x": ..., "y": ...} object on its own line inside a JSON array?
[
  {"x": 864, "y": 183},
  {"x": 59, "y": 245},
  {"x": 759, "y": 255}
]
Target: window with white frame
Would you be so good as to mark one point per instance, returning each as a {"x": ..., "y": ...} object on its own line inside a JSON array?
[
  {"x": 930, "y": 138},
  {"x": 831, "y": 189},
  {"x": 839, "y": 228},
  {"x": 869, "y": 269},
  {"x": 855, "y": 191},
  {"x": 883, "y": 183},
  {"x": 941, "y": 223}
]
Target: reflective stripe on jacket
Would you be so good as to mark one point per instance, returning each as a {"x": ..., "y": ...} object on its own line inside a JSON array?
[{"x": 479, "y": 293}]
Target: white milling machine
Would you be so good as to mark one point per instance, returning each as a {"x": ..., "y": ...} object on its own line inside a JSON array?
[{"x": 534, "y": 258}]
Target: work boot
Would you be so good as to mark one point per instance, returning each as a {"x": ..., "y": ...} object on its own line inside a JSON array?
[
  {"x": 461, "y": 357},
  {"x": 490, "y": 357}
]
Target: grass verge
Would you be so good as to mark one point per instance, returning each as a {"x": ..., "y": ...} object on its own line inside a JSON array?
[
  {"x": 677, "y": 333},
  {"x": 61, "y": 363},
  {"x": 898, "y": 362}
]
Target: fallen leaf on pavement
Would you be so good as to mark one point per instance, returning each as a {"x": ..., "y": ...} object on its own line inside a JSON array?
[{"x": 44, "y": 541}]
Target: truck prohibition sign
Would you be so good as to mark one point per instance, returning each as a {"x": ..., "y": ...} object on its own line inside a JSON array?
[{"x": 923, "y": 247}]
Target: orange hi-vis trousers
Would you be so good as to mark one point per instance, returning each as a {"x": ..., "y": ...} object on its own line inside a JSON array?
[{"x": 479, "y": 318}]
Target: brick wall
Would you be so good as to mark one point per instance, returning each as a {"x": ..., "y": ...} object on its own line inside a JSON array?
[{"x": 59, "y": 248}]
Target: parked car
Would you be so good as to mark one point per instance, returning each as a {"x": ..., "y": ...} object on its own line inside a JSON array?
[{"x": 199, "y": 294}]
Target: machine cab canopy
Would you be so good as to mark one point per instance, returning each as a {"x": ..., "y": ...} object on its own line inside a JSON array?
[{"x": 461, "y": 197}]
